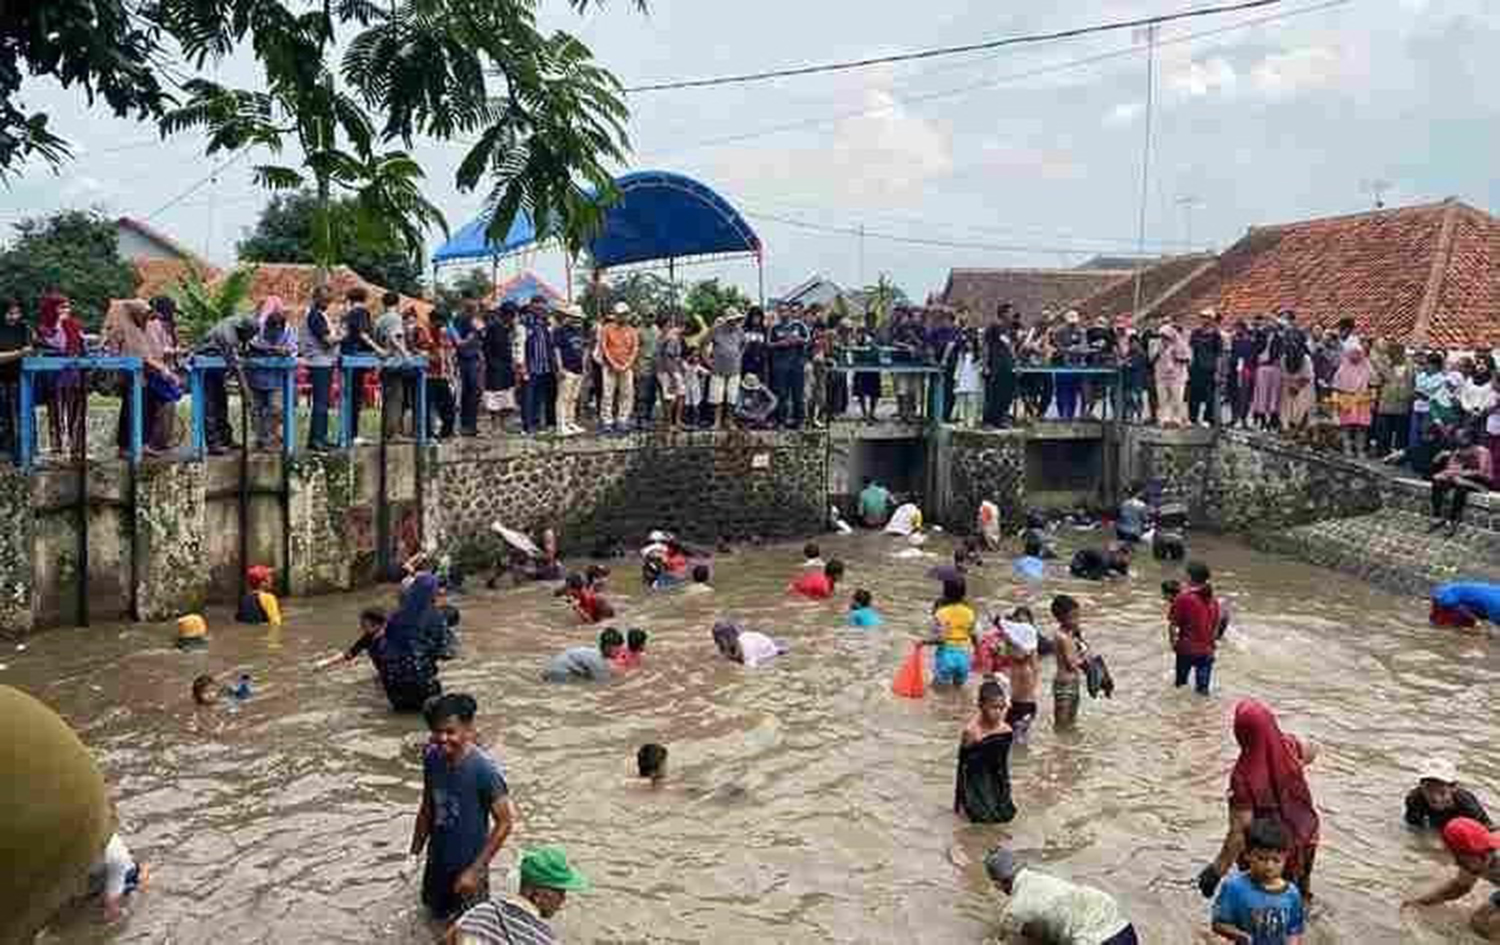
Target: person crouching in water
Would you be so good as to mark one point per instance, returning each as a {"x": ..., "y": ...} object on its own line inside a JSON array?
[
  {"x": 981, "y": 790},
  {"x": 633, "y": 652},
  {"x": 259, "y": 605},
  {"x": 819, "y": 584},
  {"x": 1047, "y": 909},
  {"x": 586, "y": 663},
  {"x": 585, "y": 601}
]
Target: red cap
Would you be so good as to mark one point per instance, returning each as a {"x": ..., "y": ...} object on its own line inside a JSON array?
[
  {"x": 1466, "y": 837},
  {"x": 258, "y": 574}
]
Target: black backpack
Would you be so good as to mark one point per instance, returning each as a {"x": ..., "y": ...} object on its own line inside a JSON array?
[{"x": 1294, "y": 352}]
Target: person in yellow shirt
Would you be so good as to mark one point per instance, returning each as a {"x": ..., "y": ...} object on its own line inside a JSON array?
[
  {"x": 953, "y": 622},
  {"x": 259, "y": 605}
]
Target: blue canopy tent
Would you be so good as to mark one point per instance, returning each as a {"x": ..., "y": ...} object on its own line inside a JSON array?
[{"x": 658, "y": 217}]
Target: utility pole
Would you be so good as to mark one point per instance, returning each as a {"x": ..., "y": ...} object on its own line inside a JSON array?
[
  {"x": 861, "y": 255},
  {"x": 1140, "y": 248},
  {"x": 1377, "y": 189},
  {"x": 1188, "y": 203}
]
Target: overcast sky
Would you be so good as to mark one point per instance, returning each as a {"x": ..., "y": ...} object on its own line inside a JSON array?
[{"x": 1031, "y": 153}]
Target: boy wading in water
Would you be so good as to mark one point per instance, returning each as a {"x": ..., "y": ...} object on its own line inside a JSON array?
[
  {"x": 463, "y": 790},
  {"x": 981, "y": 789},
  {"x": 1069, "y": 652},
  {"x": 1258, "y": 906}
]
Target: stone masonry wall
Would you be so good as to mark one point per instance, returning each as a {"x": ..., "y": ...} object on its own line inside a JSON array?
[
  {"x": 1256, "y": 484},
  {"x": 16, "y": 526},
  {"x": 170, "y": 528},
  {"x": 323, "y": 487},
  {"x": 986, "y": 466},
  {"x": 701, "y": 485}
]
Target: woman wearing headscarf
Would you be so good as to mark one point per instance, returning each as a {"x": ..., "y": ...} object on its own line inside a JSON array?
[
  {"x": 744, "y": 646},
  {"x": 1352, "y": 399},
  {"x": 405, "y": 653},
  {"x": 1298, "y": 385},
  {"x": 1268, "y": 781},
  {"x": 1172, "y": 358},
  {"x": 127, "y": 335},
  {"x": 59, "y": 335}
]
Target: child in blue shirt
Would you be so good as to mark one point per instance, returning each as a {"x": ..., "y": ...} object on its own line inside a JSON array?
[
  {"x": 1257, "y": 906},
  {"x": 862, "y": 613}
]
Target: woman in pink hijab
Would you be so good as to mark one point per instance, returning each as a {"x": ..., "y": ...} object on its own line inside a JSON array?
[
  {"x": 1171, "y": 365},
  {"x": 1352, "y": 399}
]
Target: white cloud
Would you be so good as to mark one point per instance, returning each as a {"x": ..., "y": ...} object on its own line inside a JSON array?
[
  {"x": 1284, "y": 74},
  {"x": 81, "y": 186},
  {"x": 1196, "y": 79},
  {"x": 1124, "y": 114}
]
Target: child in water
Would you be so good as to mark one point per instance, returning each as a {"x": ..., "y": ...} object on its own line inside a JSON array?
[
  {"x": 1069, "y": 650},
  {"x": 115, "y": 875},
  {"x": 586, "y": 603},
  {"x": 259, "y": 605},
  {"x": 1259, "y": 906},
  {"x": 635, "y": 648},
  {"x": 1023, "y": 667},
  {"x": 205, "y": 691},
  {"x": 812, "y": 557},
  {"x": 819, "y": 584},
  {"x": 701, "y": 576},
  {"x": 953, "y": 623},
  {"x": 862, "y": 611},
  {"x": 651, "y": 763},
  {"x": 981, "y": 789}
]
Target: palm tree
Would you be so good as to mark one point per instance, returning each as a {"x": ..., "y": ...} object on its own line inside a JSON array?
[{"x": 202, "y": 304}]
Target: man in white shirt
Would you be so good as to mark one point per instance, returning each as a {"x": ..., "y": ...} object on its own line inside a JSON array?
[{"x": 1044, "y": 908}]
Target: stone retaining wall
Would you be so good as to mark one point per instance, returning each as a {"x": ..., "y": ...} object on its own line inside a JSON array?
[
  {"x": 702, "y": 485},
  {"x": 985, "y": 465}
]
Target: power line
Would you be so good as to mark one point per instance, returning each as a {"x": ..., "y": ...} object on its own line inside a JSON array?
[
  {"x": 951, "y": 50},
  {"x": 1062, "y": 66},
  {"x": 199, "y": 184},
  {"x": 916, "y": 240}
]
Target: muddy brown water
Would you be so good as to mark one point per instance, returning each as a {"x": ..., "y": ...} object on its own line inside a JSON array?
[{"x": 807, "y": 803}]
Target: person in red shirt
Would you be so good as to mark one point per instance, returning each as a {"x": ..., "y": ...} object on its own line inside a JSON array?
[
  {"x": 819, "y": 585},
  {"x": 586, "y": 602},
  {"x": 1193, "y": 628}
]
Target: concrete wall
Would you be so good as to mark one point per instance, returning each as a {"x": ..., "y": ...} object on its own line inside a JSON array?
[{"x": 166, "y": 538}]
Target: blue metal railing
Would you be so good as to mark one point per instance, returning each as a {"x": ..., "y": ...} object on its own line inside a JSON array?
[
  {"x": 287, "y": 369},
  {"x": 31, "y": 367}
]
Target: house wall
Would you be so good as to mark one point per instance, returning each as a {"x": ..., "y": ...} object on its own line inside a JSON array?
[{"x": 134, "y": 245}]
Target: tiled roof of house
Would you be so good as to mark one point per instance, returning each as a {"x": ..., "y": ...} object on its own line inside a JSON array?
[
  {"x": 161, "y": 276},
  {"x": 1428, "y": 274},
  {"x": 294, "y": 283},
  {"x": 1158, "y": 282},
  {"x": 1029, "y": 290}
]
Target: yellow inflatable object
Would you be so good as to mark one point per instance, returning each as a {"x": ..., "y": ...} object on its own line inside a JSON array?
[{"x": 55, "y": 816}]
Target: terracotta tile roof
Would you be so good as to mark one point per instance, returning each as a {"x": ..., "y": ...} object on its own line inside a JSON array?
[
  {"x": 160, "y": 276},
  {"x": 1029, "y": 290},
  {"x": 1158, "y": 282},
  {"x": 294, "y": 283},
  {"x": 1428, "y": 273}
]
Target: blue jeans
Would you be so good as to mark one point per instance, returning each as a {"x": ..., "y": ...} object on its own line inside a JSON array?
[
  {"x": 469, "y": 388},
  {"x": 538, "y": 406},
  {"x": 1067, "y": 396},
  {"x": 321, "y": 379},
  {"x": 1202, "y": 668}
]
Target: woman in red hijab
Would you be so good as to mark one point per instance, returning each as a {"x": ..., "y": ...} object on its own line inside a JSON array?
[
  {"x": 59, "y": 335},
  {"x": 1268, "y": 781}
]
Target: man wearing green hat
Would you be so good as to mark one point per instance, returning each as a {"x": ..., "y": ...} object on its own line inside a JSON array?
[{"x": 546, "y": 880}]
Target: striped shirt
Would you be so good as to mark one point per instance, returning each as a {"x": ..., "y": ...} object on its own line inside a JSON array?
[{"x": 504, "y": 922}]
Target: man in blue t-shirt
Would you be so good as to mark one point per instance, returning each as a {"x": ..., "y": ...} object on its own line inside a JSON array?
[
  {"x": 874, "y": 504},
  {"x": 569, "y": 344},
  {"x": 788, "y": 340},
  {"x": 1257, "y": 906},
  {"x": 463, "y": 790}
]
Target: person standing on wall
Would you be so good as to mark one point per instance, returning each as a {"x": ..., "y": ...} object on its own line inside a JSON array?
[
  {"x": 317, "y": 347},
  {"x": 390, "y": 336},
  {"x": 498, "y": 345},
  {"x": 434, "y": 342},
  {"x": 726, "y": 347},
  {"x": 788, "y": 340},
  {"x": 226, "y": 339},
  {"x": 15, "y": 344},
  {"x": 1207, "y": 345},
  {"x": 619, "y": 346},
  {"x": 535, "y": 370},
  {"x": 647, "y": 339},
  {"x": 570, "y": 344},
  {"x": 359, "y": 339}
]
